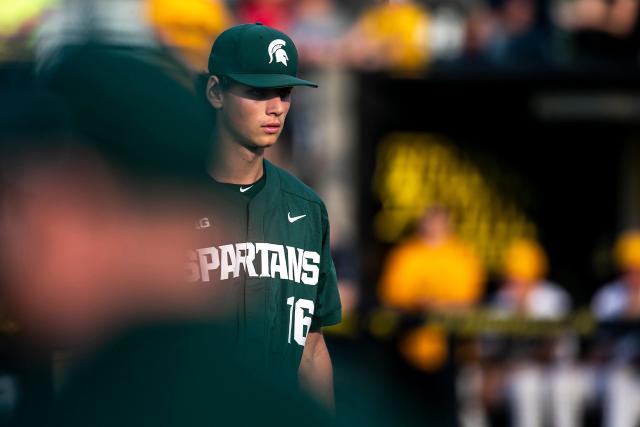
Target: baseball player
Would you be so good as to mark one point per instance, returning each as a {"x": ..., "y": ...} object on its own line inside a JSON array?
[{"x": 265, "y": 235}]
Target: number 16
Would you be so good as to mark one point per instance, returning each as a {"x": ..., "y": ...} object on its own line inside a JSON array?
[{"x": 302, "y": 320}]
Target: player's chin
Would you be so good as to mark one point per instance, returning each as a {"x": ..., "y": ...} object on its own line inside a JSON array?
[{"x": 265, "y": 141}]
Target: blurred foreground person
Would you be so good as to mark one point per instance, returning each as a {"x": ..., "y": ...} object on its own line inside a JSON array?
[
  {"x": 538, "y": 380},
  {"x": 79, "y": 259},
  {"x": 617, "y": 307},
  {"x": 93, "y": 257}
]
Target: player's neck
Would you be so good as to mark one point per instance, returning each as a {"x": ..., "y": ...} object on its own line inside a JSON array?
[{"x": 234, "y": 163}]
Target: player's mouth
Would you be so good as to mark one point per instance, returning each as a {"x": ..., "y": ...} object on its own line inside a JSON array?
[{"x": 271, "y": 128}]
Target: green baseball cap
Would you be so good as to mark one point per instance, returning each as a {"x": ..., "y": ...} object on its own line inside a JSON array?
[{"x": 256, "y": 55}]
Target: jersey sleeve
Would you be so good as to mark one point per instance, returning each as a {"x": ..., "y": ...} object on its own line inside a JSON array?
[{"x": 328, "y": 309}]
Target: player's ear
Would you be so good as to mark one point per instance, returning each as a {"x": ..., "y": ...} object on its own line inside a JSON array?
[{"x": 214, "y": 92}]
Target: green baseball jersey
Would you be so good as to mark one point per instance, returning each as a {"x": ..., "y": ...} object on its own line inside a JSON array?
[{"x": 265, "y": 253}]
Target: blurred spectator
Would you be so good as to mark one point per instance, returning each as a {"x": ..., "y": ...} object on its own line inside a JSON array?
[
  {"x": 273, "y": 13},
  {"x": 536, "y": 367},
  {"x": 448, "y": 31},
  {"x": 317, "y": 29},
  {"x": 524, "y": 290},
  {"x": 391, "y": 35},
  {"x": 602, "y": 29},
  {"x": 433, "y": 270},
  {"x": 618, "y": 305},
  {"x": 189, "y": 26},
  {"x": 621, "y": 298},
  {"x": 121, "y": 23},
  {"x": 535, "y": 377},
  {"x": 509, "y": 31},
  {"x": 481, "y": 25}
]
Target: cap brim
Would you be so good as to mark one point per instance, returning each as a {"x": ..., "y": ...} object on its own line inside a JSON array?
[{"x": 270, "y": 80}]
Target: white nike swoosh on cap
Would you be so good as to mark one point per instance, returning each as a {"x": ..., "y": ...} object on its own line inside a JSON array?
[
  {"x": 294, "y": 218},
  {"x": 242, "y": 190}
]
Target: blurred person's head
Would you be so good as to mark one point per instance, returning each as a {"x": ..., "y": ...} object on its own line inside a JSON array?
[
  {"x": 86, "y": 249},
  {"x": 321, "y": 31},
  {"x": 305, "y": 8},
  {"x": 391, "y": 35},
  {"x": 252, "y": 72},
  {"x": 394, "y": 1},
  {"x": 188, "y": 26},
  {"x": 80, "y": 255},
  {"x": 435, "y": 225},
  {"x": 138, "y": 105},
  {"x": 519, "y": 16},
  {"x": 524, "y": 263},
  {"x": 492, "y": 24},
  {"x": 274, "y": 13},
  {"x": 627, "y": 256},
  {"x": 481, "y": 24}
]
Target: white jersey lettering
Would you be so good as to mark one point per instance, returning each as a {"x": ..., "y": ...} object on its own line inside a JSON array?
[
  {"x": 295, "y": 263},
  {"x": 310, "y": 263},
  {"x": 263, "y": 248},
  {"x": 209, "y": 261},
  {"x": 250, "y": 256},
  {"x": 228, "y": 262},
  {"x": 276, "y": 261},
  {"x": 279, "y": 263}
]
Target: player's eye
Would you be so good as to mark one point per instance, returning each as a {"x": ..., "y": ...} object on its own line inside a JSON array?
[
  {"x": 256, "y": 93},
  {"x": 263, "y": 94},
  {"x": 284, "y": 93}
]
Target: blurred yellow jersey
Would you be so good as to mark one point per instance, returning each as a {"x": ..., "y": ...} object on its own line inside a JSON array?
[
  {"x": 401, "y": 29},
  {"x": 190, "y": 26},
  {"x": 418, "y": 275}
]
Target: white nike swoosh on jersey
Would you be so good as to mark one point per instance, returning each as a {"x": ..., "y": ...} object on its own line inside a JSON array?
[
  {"x": 242, "y": 190},
  {"x": 294, "y": 218}
]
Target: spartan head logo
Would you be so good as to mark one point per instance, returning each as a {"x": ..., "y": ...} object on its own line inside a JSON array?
[{"x": 276, "y": 48}]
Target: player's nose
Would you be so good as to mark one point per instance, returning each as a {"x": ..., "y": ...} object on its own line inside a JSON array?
[{"x": 275, "y": 106}]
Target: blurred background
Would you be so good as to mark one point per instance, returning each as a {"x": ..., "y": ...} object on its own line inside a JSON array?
[{"x": 479, "y": 160}]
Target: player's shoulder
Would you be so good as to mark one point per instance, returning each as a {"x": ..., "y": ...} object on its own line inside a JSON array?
[{"x": 293, "y": 186}]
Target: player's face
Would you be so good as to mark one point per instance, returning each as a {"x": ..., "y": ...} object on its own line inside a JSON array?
[{"x": 254, "y": 116}]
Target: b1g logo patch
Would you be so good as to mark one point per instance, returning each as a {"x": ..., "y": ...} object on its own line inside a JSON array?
[
  {"x": 276, "y": 49},
  {"x": 203, "y": 223}
]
